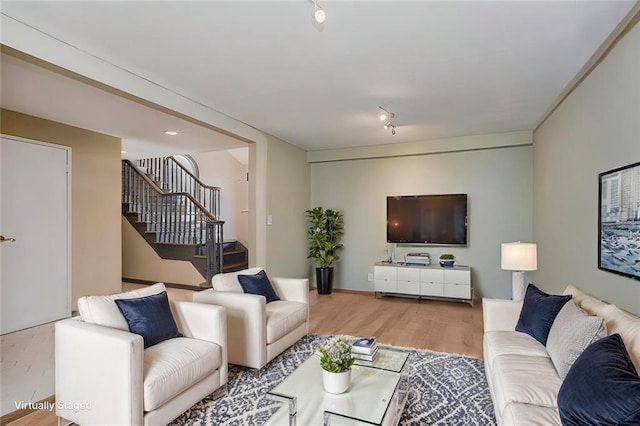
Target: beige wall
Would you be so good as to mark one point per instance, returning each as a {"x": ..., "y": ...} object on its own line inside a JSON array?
[
  {"x": 498, "y": 182},
  {"x": 96, "y": 241},
  {"x": 141, "y": 262},
  {"x": 287, "y": 194},
  {"x": 597, "y": 128},
  {"x": 221, "y": 169}
]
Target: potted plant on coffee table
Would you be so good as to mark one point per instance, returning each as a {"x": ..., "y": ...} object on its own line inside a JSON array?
[
  {"x": 336, "y": 361},
  {"x": 326, "y": 228}
]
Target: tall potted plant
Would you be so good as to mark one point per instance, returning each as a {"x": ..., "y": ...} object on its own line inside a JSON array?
[{"x": 326, "y": 228}]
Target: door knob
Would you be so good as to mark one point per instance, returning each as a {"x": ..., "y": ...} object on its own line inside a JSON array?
[{"x": 6, "y": 240}]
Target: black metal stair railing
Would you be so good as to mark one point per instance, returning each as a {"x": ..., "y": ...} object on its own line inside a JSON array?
[
  {"x": 171, "y": 176},
  {"x": 175, "y": 217}
]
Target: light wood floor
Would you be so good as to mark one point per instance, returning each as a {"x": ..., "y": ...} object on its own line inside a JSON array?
[
  {"x": 452, "y": 327},
  {"x": 438, "y": 326}
]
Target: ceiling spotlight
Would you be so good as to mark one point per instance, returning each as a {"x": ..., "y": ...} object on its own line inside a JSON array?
[
  {"x": 171, "y": 132},
  {"x": 385, "y": 115},
  {"x": 318, "y": 13}
]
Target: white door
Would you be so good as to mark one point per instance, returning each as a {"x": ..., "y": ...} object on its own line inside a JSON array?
[{"x": 35, "y": 194}]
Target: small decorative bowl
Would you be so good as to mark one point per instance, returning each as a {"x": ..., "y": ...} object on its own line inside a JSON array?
[{"x": 446, "y": 263}]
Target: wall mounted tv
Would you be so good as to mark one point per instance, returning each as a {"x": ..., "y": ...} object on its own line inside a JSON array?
[{"x": 427, "y": 219}]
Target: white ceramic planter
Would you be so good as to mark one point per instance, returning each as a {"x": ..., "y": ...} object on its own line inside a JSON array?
[{"x": 336, "y": 383}]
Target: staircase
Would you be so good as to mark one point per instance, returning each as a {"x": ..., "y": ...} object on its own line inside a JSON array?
[{"x": 178, "y": 216}]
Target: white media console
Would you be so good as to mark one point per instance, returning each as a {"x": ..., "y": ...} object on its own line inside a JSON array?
[{"x": 424, "y": 281}]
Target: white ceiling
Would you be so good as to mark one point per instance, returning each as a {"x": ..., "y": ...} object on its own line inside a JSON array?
[{"x": 444, "y": 68}]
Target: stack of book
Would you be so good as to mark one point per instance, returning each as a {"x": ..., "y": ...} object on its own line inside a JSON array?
[{"x": 365, "y": 349}]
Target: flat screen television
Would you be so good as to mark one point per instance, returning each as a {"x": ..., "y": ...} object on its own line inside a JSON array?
[{"x": 427, "y": 219}]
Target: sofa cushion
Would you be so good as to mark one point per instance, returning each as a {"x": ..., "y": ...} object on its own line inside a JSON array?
[
  {"x": 628, "y": 326},
  {"x": 173, "y": 366},
  {"x": 524, "y": 379},
  {"x": 511, "y": 343},
  {"x": 616, "y": 320},
  {"x": 150, "y": 317},
  {"x": 517, "y": 414},
  {"x": 283, "y": 317},
  {"x": 102, "y": 310},
  {"x": 572, "y": 331},
  {"x": 258, "y": 284},
  {"x": 229, "y": 281},
  {"x": 602, "y": 387},
  {"x": 538, "y": 312}
]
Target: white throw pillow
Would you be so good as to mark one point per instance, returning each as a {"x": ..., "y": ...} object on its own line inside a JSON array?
[
  {"x": 102, "y": 310},
  {"x": 572, "y": 331}
]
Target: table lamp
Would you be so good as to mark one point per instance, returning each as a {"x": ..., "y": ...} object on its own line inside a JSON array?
[{"x": 519, "y": 257}]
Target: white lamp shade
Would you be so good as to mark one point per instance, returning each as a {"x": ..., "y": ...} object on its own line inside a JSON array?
[{"x": 519, "y": 256}]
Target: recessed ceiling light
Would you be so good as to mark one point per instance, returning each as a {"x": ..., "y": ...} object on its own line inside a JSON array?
[
  {"x": 123, "y": 152},
  {"x": 171, "y": 132}
]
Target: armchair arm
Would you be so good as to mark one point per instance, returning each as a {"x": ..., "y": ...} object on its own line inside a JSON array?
[
  {"x": 203, "y": 322},
  {"x": 500, "y": 314},
  {"x": 99, "y": 367},
  {"x": 246, "y": 325},
  {"x": 292, "y": 289}
]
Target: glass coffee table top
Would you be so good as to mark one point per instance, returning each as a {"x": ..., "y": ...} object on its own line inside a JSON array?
[{"x": 377, "y": 393}]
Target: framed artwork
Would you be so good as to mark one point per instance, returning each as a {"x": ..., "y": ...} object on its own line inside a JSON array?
[{"x": 619, "y": 221}]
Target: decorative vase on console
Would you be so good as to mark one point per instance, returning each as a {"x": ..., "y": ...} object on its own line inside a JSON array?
[{"x": 336, "y": 361}]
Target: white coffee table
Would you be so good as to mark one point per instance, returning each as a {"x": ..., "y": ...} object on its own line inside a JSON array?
[{"x": 376, "y": 396}]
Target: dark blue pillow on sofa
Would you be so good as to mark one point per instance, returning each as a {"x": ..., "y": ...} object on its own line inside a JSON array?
[
  {"x": 539, "y": 309},
  {"x": 149, "y": 317},
  {"x": 602, "y": 387},
  {"x": 258, "y": 284}
]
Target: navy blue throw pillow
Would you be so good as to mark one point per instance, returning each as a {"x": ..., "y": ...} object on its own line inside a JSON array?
[
  {"x": 149, "y": 317},
  {"x": 539, "y": 309},
  {"x": 258, "y": 284},
  {"x": 602, "y": 387}
]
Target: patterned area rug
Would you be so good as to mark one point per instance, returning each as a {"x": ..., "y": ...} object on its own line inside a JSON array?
[{"x": 445, "y": 389}]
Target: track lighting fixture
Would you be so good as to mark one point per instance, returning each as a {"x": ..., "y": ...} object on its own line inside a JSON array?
[
  {"x": 387, "y": 116},
  {"x": 318, "y": 13}
]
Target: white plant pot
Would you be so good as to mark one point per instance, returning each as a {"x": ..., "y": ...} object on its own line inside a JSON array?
[{"x": 336, "y": 383}]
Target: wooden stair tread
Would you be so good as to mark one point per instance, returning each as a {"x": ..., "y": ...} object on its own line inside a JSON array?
[
  {"x": 230, "y": 252},
  {"x": 176, "y": 244},
  {"x": 233, "y": 265}
]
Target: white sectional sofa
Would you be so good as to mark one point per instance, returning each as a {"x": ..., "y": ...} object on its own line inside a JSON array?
[{"x": 522, "y": 378}]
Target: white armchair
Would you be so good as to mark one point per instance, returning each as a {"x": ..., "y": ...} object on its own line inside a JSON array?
[
  {"x": 258, "y": 331},
  {"x": 104, "y": 376}
]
